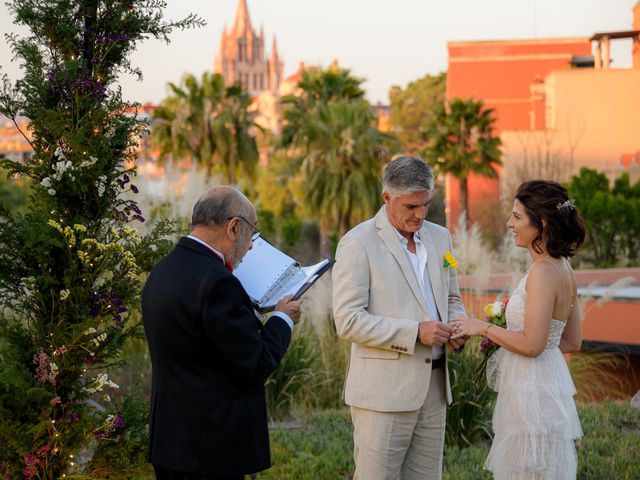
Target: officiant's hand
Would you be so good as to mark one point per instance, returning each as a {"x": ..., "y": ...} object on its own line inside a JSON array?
[
  {"x": 431, "y": 332},
  {"x": 290, "y": 307}
]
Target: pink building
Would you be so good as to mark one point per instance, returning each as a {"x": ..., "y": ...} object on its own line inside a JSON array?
[{"x": 559, "y": 106}]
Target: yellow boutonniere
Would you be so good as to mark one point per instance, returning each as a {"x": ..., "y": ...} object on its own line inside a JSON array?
[{"x": 450, "y": 260}]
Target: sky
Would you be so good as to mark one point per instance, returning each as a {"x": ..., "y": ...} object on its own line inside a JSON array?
[{"x": 384, "y": 42}]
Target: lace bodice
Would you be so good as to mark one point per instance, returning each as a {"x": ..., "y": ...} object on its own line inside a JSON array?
[{"x": 515, "y": 315}]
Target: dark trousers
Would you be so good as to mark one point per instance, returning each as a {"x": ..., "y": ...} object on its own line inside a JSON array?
[{"x": 165, "y": 474}]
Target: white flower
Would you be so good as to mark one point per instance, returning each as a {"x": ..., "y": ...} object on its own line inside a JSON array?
[
  {"x": 100, "y": 382},
  {"x": 496, "y": 309},
  {"x": 87, "y": 163},
  {"x": 51, "y": 192},
  {"x": 103, "y": 278},
  {"x": 101, "y": 184},
  {"x": 61, "y": 167},
  {"x": 46, "y": 182},
  {"x": 59, "y": 153},
  {"x": 64, "y": 294}
]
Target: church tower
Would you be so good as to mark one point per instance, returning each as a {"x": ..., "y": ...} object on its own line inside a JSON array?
[{"x": 242, "y": 59}]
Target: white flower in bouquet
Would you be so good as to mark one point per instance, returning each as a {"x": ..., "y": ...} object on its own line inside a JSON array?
[{"x": 496, "y": 309}]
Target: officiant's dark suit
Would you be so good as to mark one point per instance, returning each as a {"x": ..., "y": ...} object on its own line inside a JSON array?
[{"x": 210, "y": 353}]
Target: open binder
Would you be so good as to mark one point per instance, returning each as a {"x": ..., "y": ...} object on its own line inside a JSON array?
[{"x": 268, "y": 274}]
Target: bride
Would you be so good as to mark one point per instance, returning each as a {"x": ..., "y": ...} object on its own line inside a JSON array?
[{"x": 535, "y": 421}]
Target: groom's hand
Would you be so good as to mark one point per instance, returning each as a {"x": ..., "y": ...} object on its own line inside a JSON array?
[
  {"x": 431, "y": 332},
  {"x": 456, "y": 343}
]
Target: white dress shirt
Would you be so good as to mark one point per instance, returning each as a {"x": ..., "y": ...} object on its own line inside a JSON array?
[{"x": 418, "y": 263}]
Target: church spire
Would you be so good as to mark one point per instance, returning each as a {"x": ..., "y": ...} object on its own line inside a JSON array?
[
  {"x": 242, "y": 23},
  {"x": 274, "y": 49}
]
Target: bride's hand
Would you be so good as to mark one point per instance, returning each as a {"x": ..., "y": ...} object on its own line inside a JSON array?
[{"x": 468, "y": 326}]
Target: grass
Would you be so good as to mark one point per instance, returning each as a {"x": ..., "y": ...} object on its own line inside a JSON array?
[{"x": 321, "y": 448}]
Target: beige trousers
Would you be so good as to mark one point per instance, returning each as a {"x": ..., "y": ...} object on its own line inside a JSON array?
[{"x": 402, "y": 445}]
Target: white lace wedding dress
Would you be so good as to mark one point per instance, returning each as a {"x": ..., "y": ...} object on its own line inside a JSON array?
[{"x": 535, "y": 421}]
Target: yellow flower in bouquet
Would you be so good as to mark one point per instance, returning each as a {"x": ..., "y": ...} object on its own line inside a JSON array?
[
  {"x": 496, "y": 314},
  {"x": 495, "y": 311},
  {"x": 450, "y": 260}
]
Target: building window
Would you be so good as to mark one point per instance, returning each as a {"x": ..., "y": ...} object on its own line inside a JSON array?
[
  {"x": 262, "y": 81},
  {"x": 255, "y": 81}
]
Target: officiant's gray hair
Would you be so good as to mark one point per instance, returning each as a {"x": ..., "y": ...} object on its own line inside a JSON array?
[
  {"x": 406, "y": 174},
  {"x": 218, "y": 205}
]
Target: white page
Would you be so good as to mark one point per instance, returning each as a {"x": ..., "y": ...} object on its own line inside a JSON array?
[
  {"x": 302, "y": 275},
  {"x": 261, "y": 267}
]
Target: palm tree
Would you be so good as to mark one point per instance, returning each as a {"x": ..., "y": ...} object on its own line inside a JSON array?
[
  {"x": 341, "y": 158},
  {"x": 317, "y": 87},
  {"x": 232, "y": 129},
  {"x": 209, "y": 123},
  {"x": 461, "y": 140}
]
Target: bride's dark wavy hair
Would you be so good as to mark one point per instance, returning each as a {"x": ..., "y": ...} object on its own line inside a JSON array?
[{"x": 549, "y": 201}]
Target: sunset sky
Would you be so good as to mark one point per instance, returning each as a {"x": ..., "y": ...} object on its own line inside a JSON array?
[{"x": 386, "y": 42}]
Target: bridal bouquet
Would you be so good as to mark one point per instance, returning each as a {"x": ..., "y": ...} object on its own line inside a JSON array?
[{"x": 495, "y": 314}]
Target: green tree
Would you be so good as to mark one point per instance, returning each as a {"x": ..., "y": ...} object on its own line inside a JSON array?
[
  {"x": 336, "y": 152},
  {"x": 342, "y": 157},
  {"x": 236, "y": 144},
  {"x": 612, "y": 216},
  {"x": 14, "y": 194},
  {"x": 209, "y": 123},
  {"x": 412, "y": 109},
  {"x": 317, "y": 87},
  {"x": 71, "y": 264},
  {"x": 461, "y": 140}
]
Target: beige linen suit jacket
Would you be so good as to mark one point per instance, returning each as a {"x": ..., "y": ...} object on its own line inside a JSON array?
[{"x": 377, "y": 304}]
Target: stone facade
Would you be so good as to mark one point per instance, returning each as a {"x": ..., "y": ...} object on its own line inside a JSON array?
[{"x": 242, "y": 57}]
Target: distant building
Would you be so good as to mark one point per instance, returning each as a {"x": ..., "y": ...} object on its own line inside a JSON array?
[
  {"x": 559, "y": 106},
  {"x": 242, "y": 57},
  {"x": 13, "y": 144}
]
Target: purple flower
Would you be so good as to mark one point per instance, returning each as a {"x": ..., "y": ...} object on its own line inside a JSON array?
[
  {"x": 134, "y": 189},
  {"x": 118, "y": 421},
  {"x": 73, "y": 417},
  {"x": 108, "y": 304}
]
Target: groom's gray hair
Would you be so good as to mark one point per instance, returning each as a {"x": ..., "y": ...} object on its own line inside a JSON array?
[{"x": 406, "y": 174}]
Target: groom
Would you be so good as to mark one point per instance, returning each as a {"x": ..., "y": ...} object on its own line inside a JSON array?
[{"x": 393, "y": 297}]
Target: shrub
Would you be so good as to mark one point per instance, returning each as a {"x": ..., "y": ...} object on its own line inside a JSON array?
[
  {"x": 71, "y": 264},
  {"x": 469, "y": 415}
]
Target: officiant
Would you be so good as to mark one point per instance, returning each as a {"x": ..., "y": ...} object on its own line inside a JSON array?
[{"x": 210, "y": 353}]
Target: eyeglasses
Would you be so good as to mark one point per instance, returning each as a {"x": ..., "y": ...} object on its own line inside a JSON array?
[{"x": 255, "y": 232}]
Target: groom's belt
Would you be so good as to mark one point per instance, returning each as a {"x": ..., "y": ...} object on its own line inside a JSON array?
[{"x": 436, "y": 362}]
